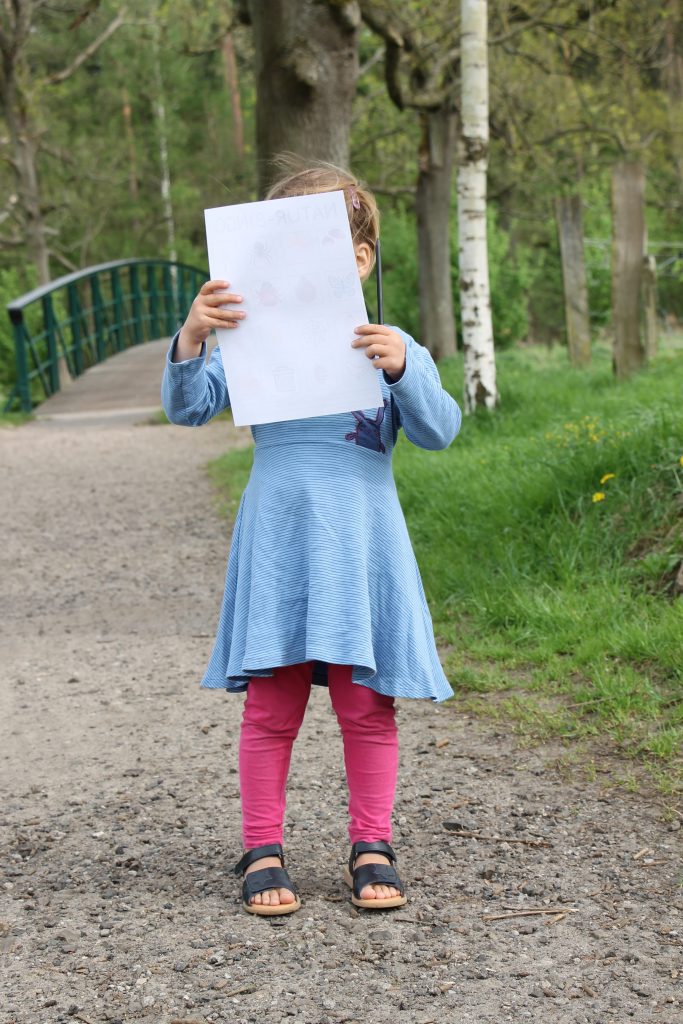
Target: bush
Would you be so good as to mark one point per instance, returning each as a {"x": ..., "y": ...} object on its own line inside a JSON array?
[{"x": 510, "y": 275}]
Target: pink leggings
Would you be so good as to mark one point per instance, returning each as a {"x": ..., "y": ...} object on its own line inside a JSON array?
[{"x": 273, "y": 712}]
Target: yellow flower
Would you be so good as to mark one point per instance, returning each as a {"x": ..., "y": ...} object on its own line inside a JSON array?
[
  {"x": 606, "y": 477},
  {"x": 681, "y": 460},
  {"x": 598, "y": 496}
]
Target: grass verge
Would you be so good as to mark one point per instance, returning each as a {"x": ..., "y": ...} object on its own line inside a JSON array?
[{"x": 14, "y": 419}]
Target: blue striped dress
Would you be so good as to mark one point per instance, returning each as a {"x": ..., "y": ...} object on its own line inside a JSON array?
[{"x": 321, "y": 567}]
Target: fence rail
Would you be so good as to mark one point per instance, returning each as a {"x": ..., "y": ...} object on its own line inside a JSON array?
[{"x": 80, "y": 319}]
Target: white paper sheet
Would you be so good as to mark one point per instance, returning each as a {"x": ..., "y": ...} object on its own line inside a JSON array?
[{"x": 293, "y": 262}]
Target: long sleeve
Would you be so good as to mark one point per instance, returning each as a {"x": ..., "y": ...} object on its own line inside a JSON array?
[
  {"x": 193, "y": 391},
  {"x": 429, "y": 416}
]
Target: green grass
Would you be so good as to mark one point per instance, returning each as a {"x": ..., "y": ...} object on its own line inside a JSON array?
[
  {"x": 158, "y": 418},
  {"x": 557, "y": 609},
  {"x": 14, "y": 419}
]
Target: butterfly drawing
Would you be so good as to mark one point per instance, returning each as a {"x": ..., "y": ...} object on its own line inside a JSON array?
[{"x": 343, "y": 286}]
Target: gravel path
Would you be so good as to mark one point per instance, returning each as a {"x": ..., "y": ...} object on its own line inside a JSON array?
[{"x": 120, "y": 812}]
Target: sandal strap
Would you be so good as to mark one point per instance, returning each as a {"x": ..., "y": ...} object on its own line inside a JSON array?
[
  {"x": 376, "y": 874},
  {"x": 272, "y": 850},
  {"x": 266, "y": 878},
  {"x": 379, "y": 846}
]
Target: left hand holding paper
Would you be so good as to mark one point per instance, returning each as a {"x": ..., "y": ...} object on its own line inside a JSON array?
[{"x": 385, "y": 347}]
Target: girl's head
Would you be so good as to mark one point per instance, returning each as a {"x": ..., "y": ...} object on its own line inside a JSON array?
[{"x": 360, "y": 203}]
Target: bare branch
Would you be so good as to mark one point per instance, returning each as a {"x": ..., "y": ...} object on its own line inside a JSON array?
[
  {"x": 523, "y": 25},
  {"x": 370, "y": 63},
  {"x": 61, "y": 258},
  {"x": 61, "y": 76},
  {"x": 88, "y": 8},
  {"x": 397, "y": 190}
]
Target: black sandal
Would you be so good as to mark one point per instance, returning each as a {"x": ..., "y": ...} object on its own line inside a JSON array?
[
  {"x": 374, "y": 874},
  {"x": 265, "y": 878}
]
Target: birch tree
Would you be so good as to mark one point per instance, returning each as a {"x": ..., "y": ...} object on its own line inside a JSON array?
[
  {"x": 477, "y": 327},
  {"x": 162, "y": 136}
]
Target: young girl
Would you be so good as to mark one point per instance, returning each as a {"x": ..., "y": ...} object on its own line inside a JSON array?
[{"x": 321, "y": 576}]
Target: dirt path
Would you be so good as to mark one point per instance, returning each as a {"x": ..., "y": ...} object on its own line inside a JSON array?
[{"x": 120, "y": 813}]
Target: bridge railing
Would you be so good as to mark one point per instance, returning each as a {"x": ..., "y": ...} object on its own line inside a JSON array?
[{"x": 80, "y": 319}]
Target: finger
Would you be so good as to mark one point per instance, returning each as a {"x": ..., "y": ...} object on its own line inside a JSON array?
[
  {"x": 212, "y": 323},
  {"x": 223, "y": 314},
  {"x": 371, "y": 339},
  {"x": 212, "y": 286},
  {"x": 377, "y": 350},
  {"x": 372, "y": 329},
  {"x": 218, "y": 299}
]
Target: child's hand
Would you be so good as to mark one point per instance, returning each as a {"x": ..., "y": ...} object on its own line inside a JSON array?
[
  {"x": 385, "y": 347},
  {"x": 205, "y": 315}
]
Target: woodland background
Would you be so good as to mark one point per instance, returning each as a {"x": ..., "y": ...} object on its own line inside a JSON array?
[{"x": 159, "y": 122}]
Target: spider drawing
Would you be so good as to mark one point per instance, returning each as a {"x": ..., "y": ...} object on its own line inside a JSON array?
[{"x": 261, "y": 253}]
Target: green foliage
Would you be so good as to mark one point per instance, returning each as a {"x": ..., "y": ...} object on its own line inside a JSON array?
[
  {"x": 399, "y": 271},
  {"x": 511, "y": 279},
  {"x": 14, "y": 281},
  {"x": 511, "y": 276}
]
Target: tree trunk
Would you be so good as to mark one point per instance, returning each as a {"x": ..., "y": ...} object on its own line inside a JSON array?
[
  {"x": 650, "y": 306},
  {"x": 23, "y": 146},
  {"x": 160, "y": 115},
  {"x": 228, "y": 50},
  {"x": 628, "y": 247},
  {"x": 673, "y": 82},
  {"x": 475, "y": 302},
  {"x": 306, "y": 68},
  {"x": 127, "y": 112},
  {"x": 570, "y": 231},
  {"x": 432, "y": 204}
]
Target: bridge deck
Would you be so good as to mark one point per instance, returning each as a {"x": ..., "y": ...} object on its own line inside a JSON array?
[{"x": 125, "y": 385}]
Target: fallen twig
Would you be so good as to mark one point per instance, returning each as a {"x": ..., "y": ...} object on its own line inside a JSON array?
[
  {"x": 641, "y": 853},
  {"x": 242, "y": 991},
  {"x": 530, "y": 913},
  {"x": 466, "y": 834}
]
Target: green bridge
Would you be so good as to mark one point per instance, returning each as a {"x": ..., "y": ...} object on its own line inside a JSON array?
[{"x": 76, "y": 321}]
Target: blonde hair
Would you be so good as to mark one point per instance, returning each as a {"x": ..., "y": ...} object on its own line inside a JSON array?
[{"x": 302, "y": 180}]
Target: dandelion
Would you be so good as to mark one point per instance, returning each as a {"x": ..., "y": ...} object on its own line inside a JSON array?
[
  {"x": 598, "y": 496},
  {"x": 681, "y": 460},
  {"x": 606, "y": 477}
]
